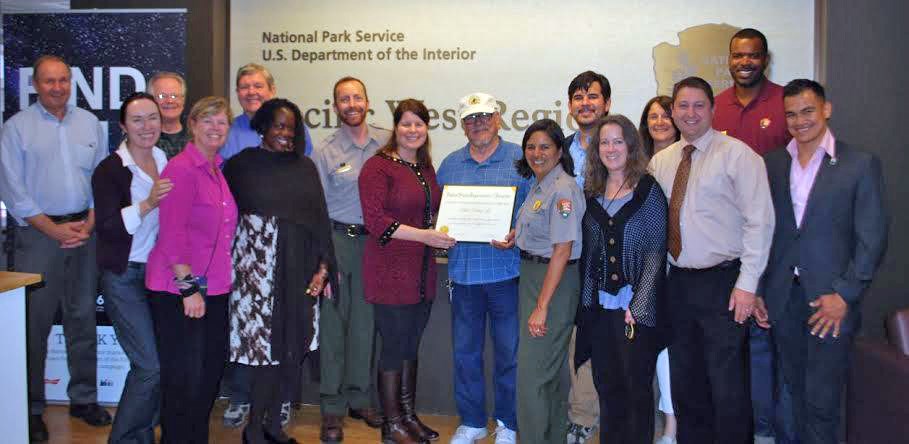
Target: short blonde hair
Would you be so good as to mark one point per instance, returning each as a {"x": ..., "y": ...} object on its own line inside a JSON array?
[
  {"x": 208, "y": 106},
  {"x": 255, "y": 68}
]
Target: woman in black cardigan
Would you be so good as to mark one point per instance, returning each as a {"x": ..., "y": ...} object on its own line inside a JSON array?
[
  {"x": 127, "y": 190},
  {"x": 623, "y": 262}
]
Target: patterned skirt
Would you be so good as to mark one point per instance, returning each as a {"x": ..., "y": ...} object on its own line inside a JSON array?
[{"x": 252, "y": 299}]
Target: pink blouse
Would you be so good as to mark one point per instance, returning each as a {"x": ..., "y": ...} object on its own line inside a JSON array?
[{"x": 198, "y": 219}]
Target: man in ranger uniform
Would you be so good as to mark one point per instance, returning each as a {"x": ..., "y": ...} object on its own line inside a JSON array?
[{"x": 346, "y": 331}]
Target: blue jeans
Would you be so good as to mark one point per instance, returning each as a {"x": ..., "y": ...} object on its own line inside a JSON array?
[
  {"x": 470, "y": 305},
  {"x": 785, "y": 416},
  {"x": 126, "y": 304}
]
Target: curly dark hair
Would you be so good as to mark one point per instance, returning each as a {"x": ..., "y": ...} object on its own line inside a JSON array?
[
  {"x": 265, "y": 117},
  {"x": 554, "y": 131},
  {"x": 595, "y": 173}
]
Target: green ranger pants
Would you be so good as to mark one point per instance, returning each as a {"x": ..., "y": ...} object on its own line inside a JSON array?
[
  {"x": 541, "y": 394},
  {"x": 346, "y": 335}
]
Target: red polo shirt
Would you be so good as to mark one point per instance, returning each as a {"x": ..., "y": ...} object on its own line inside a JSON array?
[{"x": 761, "y": 124}]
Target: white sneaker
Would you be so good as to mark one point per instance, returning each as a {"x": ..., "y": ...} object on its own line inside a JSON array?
[
  {"x": 578, "y": 434},
  {"x": 504, "y": 435},
  {"x": 235, "y": 414},
  {"x": 285, "y": 413},
  {"x": 468, "y": 435},
  {"x": 666, "y": 440}
]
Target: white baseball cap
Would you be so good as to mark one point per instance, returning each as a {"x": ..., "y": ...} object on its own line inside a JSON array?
[{"x": 477, "y": 103}]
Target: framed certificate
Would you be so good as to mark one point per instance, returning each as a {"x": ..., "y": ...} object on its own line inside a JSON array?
[{"x": 476, "y": 213}]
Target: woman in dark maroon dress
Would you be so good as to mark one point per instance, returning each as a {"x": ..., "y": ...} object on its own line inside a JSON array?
[{"x": 400, "y": 197}]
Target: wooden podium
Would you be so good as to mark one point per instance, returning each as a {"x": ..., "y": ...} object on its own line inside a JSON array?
[{"x": 13, "y": 377}]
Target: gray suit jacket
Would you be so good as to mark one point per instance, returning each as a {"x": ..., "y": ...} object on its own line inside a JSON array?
[{"x": 843, "y": 235}]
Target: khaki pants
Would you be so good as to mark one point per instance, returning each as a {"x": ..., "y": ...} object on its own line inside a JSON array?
[{"x": 583, "y": 404}]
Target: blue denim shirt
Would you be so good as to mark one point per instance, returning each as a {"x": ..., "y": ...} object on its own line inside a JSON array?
[
  {"x": 242, "y": 136},
  {"x": 474, "y": 263}
]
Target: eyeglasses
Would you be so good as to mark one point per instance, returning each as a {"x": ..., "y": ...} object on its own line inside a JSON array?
[
  {"x": 478, "y": 117},
  {"x": 172, "y": 96}
]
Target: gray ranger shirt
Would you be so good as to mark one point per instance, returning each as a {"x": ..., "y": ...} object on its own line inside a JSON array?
[
  {"x": 551, "y": 214},
  {"x": 339, "y": 161}
]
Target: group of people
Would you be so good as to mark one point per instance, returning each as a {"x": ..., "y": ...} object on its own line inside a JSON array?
[{"x": 666, "y": 249}]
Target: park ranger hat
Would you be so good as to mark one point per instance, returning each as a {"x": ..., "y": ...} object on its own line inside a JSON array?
[{"x": 477, "y": 103}]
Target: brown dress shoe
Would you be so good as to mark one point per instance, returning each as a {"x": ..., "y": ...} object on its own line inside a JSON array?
[
  {"x": 332, "y": 428},
  {"x": 369, "y": 415}
]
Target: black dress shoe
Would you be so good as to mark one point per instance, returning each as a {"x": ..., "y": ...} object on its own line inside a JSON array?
[
  {"x": 274, "y": 439},
  {"x": 37, "y": 431},
  {"x": 93, "y": 414}
]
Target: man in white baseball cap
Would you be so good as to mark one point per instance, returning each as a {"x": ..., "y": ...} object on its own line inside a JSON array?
[{"x": 484, "y": 278}]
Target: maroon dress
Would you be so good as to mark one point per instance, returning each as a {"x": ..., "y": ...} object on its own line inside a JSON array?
[{"x": 395, "y": 192}]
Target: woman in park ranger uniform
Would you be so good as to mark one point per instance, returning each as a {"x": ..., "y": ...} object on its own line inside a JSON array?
[{"x": 548, "y": 233}]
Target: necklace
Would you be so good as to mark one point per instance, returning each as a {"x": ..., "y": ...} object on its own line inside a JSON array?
[{"x": 614, "y": 195}]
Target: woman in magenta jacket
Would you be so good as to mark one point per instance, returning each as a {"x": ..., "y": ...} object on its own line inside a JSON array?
[{"x": 189, "y": 276}]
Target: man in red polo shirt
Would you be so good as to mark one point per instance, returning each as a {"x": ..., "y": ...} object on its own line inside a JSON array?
[{"x": 752, "y": 111}]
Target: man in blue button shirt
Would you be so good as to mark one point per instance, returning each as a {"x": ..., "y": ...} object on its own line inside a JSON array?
[
  {"x": 484, "y": 278},
  {"x": 47, "y": 154},
  {"x": 255, "y": 86},
  {"x": 589, "y": 99}
]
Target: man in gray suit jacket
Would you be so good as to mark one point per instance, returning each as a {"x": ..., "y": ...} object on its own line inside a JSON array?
[{"x": 829, "y": 238}]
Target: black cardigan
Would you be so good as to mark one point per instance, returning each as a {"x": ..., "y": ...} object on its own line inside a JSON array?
[
  {"x": 638, "y": 240},
  {"x": 110, "y": 187}
]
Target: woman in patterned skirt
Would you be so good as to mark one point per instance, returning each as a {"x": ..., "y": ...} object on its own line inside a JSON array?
[{"x": 283, "y": 258}]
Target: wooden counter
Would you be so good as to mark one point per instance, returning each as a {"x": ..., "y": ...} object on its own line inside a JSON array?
[{"x": 10, "y": 280}]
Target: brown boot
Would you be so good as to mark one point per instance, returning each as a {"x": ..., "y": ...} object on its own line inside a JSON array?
[
  {"x": 393, "y": 430},
  {"x": 369, "y": 415},
  {"x": 332, "y": 428},
  {"x": 408, "y": 401}
]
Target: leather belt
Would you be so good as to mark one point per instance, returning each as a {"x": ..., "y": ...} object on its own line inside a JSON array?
[
  {"x": 72, "y": 217},
  {"x": 720, "y": 266},
  {"x": 540, "y": 259},
  {"x": 352, "y": 230}
]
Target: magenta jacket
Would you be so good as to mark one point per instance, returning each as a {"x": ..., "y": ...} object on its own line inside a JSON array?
[{"x": 197, "y": 224}]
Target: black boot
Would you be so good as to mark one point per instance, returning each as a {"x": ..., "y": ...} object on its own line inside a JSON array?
[
  {"x": 393, "y": 430},
  {"x": 408, "y": 401}
]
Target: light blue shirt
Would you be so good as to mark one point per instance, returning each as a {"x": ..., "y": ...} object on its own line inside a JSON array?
[
  {"x": 579, "y": 156},
  {"x": 475, "y": 263},
  {"x": 46, "y": 164},
  {"x": 242, "y": 136},
  {"x": 621, "y": 300}
]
